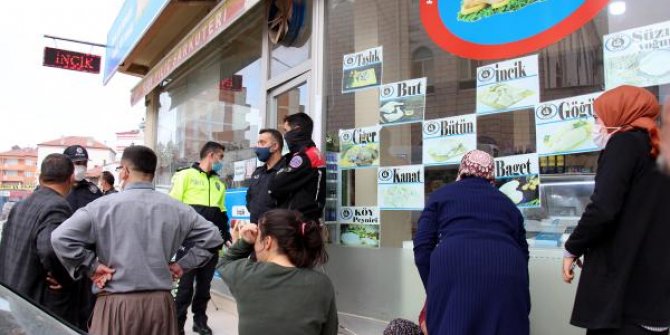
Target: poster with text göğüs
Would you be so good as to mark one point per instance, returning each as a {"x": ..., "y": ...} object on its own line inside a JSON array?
[
  {"x": 445, "y": 141},
  {"x": 638, "y": 56},
  {"x": 402, "y": 102},
  {"x": 359, "y": 226},
  {"x": 507, "y": 86},
  {"x": 565, "y": 126},
  {"x": 362, "y": 69},
  {"x": 359, "y": 147},
  {"x": 518, "y": 177},
  {"x": 400, "y": 187}
]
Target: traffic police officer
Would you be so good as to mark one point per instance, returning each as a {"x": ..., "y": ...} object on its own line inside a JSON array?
[{"x": 200, "y": 187}]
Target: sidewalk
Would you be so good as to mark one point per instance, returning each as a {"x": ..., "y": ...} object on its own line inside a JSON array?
[{"x": 222, "y": 312}]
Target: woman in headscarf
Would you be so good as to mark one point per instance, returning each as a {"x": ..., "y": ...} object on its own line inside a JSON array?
[
  {"x": 624, "y": 233},
  {"x": 472, "y": 255}
]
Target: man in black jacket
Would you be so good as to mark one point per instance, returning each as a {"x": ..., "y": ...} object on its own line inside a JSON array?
[
  {"x": 28, "y": 263},
  {"x": 301, "y": 183},
  {"x": 268, "y": 150}
]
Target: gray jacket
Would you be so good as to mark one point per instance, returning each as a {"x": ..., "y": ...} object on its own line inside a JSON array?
[{"x": 136, "y": 232}]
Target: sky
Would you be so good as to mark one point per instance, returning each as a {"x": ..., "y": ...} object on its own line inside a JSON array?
[{"x": 39, "y": 103}]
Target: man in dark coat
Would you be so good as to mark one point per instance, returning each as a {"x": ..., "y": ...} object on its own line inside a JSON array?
[
  {"x": 268, "y": 150},
  {"x": 28, "y": 263}
]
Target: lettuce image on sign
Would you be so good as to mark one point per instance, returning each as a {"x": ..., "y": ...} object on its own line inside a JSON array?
[
  {"x": 518, "y": 177},
  {"x": 402, "y": 102},
  {"x": 359, "y": 147}
]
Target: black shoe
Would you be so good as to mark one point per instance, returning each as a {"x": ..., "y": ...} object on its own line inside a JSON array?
[{"x": 202, "y": 329}]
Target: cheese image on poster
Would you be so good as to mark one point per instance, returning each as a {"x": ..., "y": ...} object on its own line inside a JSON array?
[
  {"x": 565, "y": 126},
  {"x": 400, "y": 187},
  {"x": 402, "y": 102},
  {"x": 360, "y": 226},
  {"x": 638, "y": 56},
  {"x": 359, "y": 147},
  {"x": 446, "y": 140},
  {"x": 518, "y": 177},
  {"x": 508, "y": 86},
  {"x": 362, "y": 69}
]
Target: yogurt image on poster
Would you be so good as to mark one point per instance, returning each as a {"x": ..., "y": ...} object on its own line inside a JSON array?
[
  {"x": 360, "y": 226},
  {"x": 400, "y": 187},
  {"x": 446, "y": 140},
  {"x": 402, "y": 102},
  {"x": 508, "y": 86},
  {"x": 565, "y": 126},
  {"x": 518, "y": 177},
  {"x": 638, "y": 56},
  {"x": 359, "y": 147},
  {"x": 362, "y": 69}
]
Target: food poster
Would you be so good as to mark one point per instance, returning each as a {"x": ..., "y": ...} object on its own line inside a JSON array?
[
  {"x": 638, "y": 56},
  {"x": 402, "y": 102},
  {"x": 518, "y": 177},
  {"x": 362, "y": 69},
  {"x": 445, "y": 141},
  {"x": 508, "y": 85},
  {"x": 359, "y": 147},
  {"x": 400, "y": 188},
  {"x": 565, "y": 126},
  {"x": 360, "y": 226}
]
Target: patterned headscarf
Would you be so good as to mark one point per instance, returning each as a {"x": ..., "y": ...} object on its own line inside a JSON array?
[{"x": 476, "y": 163}]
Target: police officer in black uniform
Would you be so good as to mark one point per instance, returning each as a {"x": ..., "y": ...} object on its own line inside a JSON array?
[
  {"x": 81, "y": 194},
  {"x": 268, "y": 150}
]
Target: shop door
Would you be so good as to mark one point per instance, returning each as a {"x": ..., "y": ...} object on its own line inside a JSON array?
[{"x": 289, "y": 98}]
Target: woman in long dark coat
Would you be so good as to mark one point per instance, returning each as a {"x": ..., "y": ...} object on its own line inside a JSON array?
[
  {"x": 624, "y": 233},
  {"x": 472, "y": 255}
]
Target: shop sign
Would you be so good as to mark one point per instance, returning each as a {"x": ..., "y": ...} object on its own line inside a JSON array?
[
  {"x": 71, "y": 60},
  {"x": 359, "y": 147},
  {"x": 402, "y": 102},
  {"x": 446, "y": 140},
  {"x": 134, "y": 18},
  {"x": 564, "y": 126},
  {"x": 361, "y": 235},
  {"x": 638, "y": 56},
  {"x": 475, "y": 29},
  {"x": 216, "y": 22},
  {"x": 360, "y": 215},
  {"x": 400, "y": 187},
  {"x": 362, "y": 69},
  {"x": 508, "y": 86},
  {"x": 518, "y": 177}
]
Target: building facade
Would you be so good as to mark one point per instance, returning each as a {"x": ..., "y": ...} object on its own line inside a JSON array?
[
  {"x": 18, "y": 169},
  {"x": 379, "y": 67},
  {"x": 99, "y": 154}
]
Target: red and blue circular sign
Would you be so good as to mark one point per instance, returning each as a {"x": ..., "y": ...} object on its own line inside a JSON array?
[{"x": 516, "y": 27}]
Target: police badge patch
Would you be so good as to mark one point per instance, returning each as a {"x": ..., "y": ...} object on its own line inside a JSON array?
[
  {"x": 295, "y": 162},
  {"x": 218, "y": 186},
  {"x": 93, "y": 188}
]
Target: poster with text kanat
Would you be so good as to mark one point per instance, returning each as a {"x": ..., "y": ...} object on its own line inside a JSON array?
[
  {"x": 638, "y": 56},
  {"x": 445, "y": 141},
  {"x": 400, "y": 187},
  {"x": 359, "y": 147},
  {"x": 402, "y": 102},
  {"x": 362, "y": 69},
  {"x": 518, "y": 177},
  {"x": 508, "y": 86},
  {"x": 565, "y": 126}
]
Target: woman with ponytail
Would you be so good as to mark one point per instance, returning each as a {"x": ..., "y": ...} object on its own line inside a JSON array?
[
  {"x": 624, "y": 233},
  {"x": 281, "y": 293}
]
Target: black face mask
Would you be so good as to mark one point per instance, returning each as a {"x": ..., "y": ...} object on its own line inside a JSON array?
[{"x": 296, "y": 140}]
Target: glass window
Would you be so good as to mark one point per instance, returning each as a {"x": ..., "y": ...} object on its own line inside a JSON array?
[
  {"x": 218, "y": 100},
  {"x": 9, "y": 162},
  {"x": 11, "y": 173},
  {"x": 568, "y": 68},
  {"x": 284, "y": 58}
]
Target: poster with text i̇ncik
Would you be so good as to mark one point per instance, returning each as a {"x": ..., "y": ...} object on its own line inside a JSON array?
[
  {"x": 446, "y": 140},
  {"x": 359, "y": 147},
  {"x": 362, "y": 70},
  {"x": 565, "y": 126},
  {"x": 638, "y": 56},
  {"x": 402, "y": 102},
  {"x": 400, "y": 187},
  {"x": 508, "y": 86},
  {"x": 359, "y": 226},
  {"x": 518, "y": 177}
]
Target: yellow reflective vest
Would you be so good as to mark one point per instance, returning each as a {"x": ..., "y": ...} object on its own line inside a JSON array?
[{"x": 196, "y": 187}]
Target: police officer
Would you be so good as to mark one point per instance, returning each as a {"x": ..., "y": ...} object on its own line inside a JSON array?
[
  {"x": 200, "y": 187},
  {"x": 268, "y": 150},
  {"x": 301, "y": 183},
  {"x": 81, "y": 194}
]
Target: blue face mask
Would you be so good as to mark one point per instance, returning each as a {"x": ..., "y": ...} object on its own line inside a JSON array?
[
  {"x": 216, "y": 167},
  {"x": 262, "y": 153}
]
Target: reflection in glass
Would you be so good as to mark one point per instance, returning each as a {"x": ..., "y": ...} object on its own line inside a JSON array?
[{"x": 291, "y": 102}]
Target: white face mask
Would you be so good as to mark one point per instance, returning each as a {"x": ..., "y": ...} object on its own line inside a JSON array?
[
  {"x": 79, "y": 172},
  {"x": 601, "y": 134}
]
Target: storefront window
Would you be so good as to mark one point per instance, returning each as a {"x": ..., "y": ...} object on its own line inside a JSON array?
[
  {"x": 355, "y": 101},
  {"x": 284, "y": 58},
  {"x": 217, "y": 100}
]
